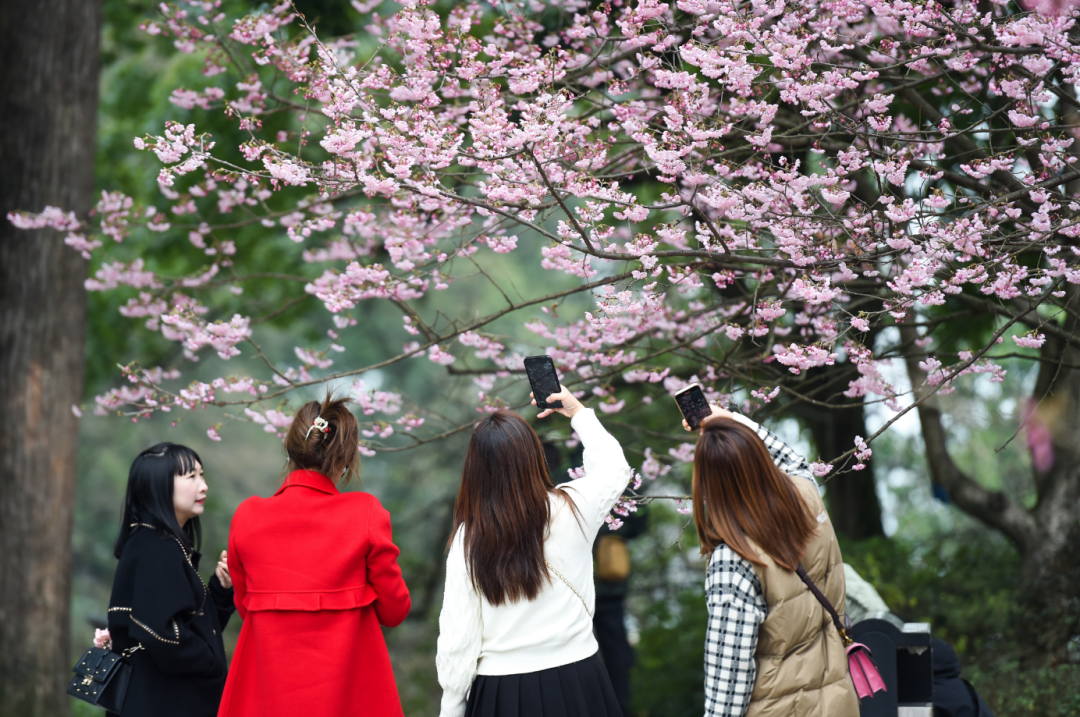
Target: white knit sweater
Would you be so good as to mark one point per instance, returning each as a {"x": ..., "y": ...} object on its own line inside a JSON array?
[{"x": 476, "y": 637}]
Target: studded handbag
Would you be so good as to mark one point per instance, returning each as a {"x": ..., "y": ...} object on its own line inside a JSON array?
[{"x": 102, "y": 677}]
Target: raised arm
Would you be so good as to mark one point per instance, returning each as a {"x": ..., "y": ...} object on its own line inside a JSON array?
[
  {"x": 605, "y": 466},
  {"x": 461, "y": 627},
  {"x": 606, "y": 469},
  {"x": 784, "y": 456}
]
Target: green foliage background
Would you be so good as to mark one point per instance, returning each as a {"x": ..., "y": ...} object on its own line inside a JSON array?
[{"x": 938, "y": 565}]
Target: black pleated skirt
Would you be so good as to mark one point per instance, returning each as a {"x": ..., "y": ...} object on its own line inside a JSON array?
[{"x": 580, "y": 689}]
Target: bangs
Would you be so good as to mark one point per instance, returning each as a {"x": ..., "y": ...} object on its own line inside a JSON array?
[
  {"x": 149, "y": 497},
  {"x": 186, "y": 460}
]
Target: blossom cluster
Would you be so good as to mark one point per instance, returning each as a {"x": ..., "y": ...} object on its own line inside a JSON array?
[{"x": 754, "y": 191}]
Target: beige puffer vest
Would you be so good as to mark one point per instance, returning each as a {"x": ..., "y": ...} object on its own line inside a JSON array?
[{"x": 802, "y": 669}]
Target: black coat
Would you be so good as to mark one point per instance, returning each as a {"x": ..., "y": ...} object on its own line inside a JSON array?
[
  {"x": 159, "y": 600},
  {"x": 953, "y": 695}
]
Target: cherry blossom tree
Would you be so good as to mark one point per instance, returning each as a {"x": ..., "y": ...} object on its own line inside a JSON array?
[{"x": 790, "y": 203}]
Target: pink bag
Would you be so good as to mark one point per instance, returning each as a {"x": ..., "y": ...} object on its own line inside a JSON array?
[{"x": 864, "y": 673}]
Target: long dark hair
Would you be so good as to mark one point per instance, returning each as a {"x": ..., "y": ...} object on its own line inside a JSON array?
[
  {"x": 503, "y": 508},
  {"x": 149, "y": 496},
  {"x": 334, "y": 451},
  {"x": 740, "y": 495}
]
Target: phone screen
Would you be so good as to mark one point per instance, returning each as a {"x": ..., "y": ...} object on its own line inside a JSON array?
[
  {"x": 543, "y": 380},
  {"x": 693, "y": 404}
]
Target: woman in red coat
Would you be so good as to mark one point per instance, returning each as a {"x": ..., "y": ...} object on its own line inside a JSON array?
[{"x": 315, "y": 574}]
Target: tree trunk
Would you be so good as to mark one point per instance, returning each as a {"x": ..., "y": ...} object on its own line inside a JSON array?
[
  {"x": 48, "y": 106},
  {"x": 854, "y": 508},
  {"x": 1051, "y": 613},
  {"x": 1048, "y": 535},
  {"x": 852, "y": 498}
]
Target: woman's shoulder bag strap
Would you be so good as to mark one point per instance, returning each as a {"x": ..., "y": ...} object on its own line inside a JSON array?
[
  {"x": 825, "y": 604},
  {"x": 561, "y": 577}
]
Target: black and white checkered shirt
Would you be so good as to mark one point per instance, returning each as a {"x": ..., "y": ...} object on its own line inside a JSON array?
[
  {"x": 737, "y": 606},
  {"x": 785, "y": 458}
]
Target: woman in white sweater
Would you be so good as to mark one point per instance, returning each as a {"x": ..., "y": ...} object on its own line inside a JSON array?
[{"x": 515, "y": 632}]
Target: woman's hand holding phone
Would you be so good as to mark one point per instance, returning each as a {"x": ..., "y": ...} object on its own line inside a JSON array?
[
  {"x": 717, "y": 412},
  {"x": 570, "y": 404}
]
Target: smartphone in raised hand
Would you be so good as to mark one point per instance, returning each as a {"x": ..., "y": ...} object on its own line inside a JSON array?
[
  {"x": 693, "y": 404},
  {"x": 543, "y": 380}
]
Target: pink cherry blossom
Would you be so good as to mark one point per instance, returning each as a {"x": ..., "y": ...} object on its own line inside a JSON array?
[
  {"x": 702, "y": 194},
  {"x": 1030, "y": 340}
]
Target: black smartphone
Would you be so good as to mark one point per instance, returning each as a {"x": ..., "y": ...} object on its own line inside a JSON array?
[
  {"x": 693, "y": 404},
  {"x": 543, "y": 380}
]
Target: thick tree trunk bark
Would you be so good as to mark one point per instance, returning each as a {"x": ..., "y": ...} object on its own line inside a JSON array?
[
  {"x": 854, "y": 508},
  {"x": 1049, "y": 614},
  {"x": 48, "y": 106},
  {"x": 1048, "y": 535},
  {"x": 1052, "y": 562}
]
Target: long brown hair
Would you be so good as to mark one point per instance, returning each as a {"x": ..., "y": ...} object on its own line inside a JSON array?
[
  {"x": 333, "y": 452},
  {"x": 740, "y": 495},
  {"x": 503, "y": 509}
]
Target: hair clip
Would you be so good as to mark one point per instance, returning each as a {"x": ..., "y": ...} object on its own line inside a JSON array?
[{"x": 319, "y": 424}]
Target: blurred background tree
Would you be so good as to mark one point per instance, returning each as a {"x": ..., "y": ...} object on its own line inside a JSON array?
[{"x": 48, "y": 101}]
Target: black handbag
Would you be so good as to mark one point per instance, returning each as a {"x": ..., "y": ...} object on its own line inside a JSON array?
[{"x": 102, "y": 677}]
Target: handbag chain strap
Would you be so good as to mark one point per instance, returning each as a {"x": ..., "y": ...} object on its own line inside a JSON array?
[
  {"x": 132, "y": 650},
  {"x": 569, "y": 585},
  {"x": 826, "y": 604}
]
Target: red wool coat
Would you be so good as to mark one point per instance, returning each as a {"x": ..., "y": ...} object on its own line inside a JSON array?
[{"x": 315, "y": 573}]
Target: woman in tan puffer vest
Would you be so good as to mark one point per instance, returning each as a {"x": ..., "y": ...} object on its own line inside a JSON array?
[{"x": 771, "y": 650}]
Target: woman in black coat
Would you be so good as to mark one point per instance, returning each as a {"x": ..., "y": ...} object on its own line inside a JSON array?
[
  {"x": 159, "y": 601},
  {"x": 953, "y": 695}
]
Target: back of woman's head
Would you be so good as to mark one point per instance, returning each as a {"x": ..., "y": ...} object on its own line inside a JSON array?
[
  {"x": 503, "y": 509},
  {"x": 741, "y": 496},
  {"x": 149, "y": 496},
  {"x": 324, "y": 437}
]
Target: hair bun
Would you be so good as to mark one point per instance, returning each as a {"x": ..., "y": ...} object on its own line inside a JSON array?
[{"x": 335, "y": 453}]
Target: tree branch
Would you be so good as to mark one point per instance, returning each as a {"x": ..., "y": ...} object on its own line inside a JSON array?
[{"x": 991, "y": 507}]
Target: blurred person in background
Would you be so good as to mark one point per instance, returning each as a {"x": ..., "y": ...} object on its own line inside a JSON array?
[
  {"x": 613, "y": 570},
  {"x": 771, "y": 649},
  {"x": 515, "y": 631},
  {"x": 316, "y": 574},
  {"x": 159, "y": 604},
  {"x": 953, "y": 695},
  {"x": 863, "y": 601}
]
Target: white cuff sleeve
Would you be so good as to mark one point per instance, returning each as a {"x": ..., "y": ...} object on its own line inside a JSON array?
[{"x": 606, "y": 469}]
